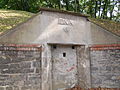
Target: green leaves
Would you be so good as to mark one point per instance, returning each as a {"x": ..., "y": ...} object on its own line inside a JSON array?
[{"x": 106, "y": 9}]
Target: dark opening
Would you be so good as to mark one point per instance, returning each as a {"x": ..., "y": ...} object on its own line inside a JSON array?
[
  {"x": 73, "y": 47},
  {"x": 64, "y": 54},
  {"x": 54, "y": 46}
]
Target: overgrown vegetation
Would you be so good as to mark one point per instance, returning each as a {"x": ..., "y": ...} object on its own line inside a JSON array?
[
  {"x": 10, "y": 18},
  {"x": 109, "y": 25},
  {"x": 103, "y": 9}
]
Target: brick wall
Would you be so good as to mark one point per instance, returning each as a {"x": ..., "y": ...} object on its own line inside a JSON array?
[
  {"x": 20, "y": 67},
  {"x": 105, "y": 66}
]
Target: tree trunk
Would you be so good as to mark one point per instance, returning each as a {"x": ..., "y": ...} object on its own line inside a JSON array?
[
  {"x": 59, "y": 4},
  {"x": 99, "y": 8},
  {"x": 96, "y": 7},
  {"x": 105, "y": 9},
  {"x": 91, "y": 11},
  {"x": 111, "y": 11},
  {"x": 78, "y": 6},
  {"x": 67, "y": 4}
]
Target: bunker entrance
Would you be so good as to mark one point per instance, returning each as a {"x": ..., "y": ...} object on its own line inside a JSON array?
[{"x": 64, "y": 67}]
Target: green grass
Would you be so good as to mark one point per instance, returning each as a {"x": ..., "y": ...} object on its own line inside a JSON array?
[
  {"x": 109, "y": 25},
  {"x": 10, "y": 18}
]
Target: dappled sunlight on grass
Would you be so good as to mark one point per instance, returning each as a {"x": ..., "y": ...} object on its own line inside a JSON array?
[
  {"x": 8, "y": 15},
  {"x": 4, "y": 27},
  {"x": 10, "y": 18}
]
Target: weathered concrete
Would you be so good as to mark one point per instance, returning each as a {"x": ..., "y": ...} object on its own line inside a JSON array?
[
  {"x": 46, "y": 68},
  {"x": 44, "y": 28},
  {"x": 54, "y": 27},
  {"x": 49, "y": 27},
  {"x": 102, "y": 36},
  {"x": 84, "y": 79}
]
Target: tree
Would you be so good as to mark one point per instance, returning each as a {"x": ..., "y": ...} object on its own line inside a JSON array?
[{"x": 103, "y": 9}]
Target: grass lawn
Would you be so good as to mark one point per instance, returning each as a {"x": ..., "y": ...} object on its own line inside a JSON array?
[
  {"x": 10, "y": 18},
  {"x": 111, "y": 26}
]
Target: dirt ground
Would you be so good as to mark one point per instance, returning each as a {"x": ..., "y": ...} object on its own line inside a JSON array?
[{"x": 78, "y": 88}]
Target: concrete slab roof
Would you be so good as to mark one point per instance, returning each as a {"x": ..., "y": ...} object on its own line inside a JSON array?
[
  {"x": 111, "y": 26},
  {"x": 64, "y": 12}
]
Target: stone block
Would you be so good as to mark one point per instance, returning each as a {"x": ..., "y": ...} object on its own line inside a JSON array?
[
  {"x": 4, "y": 66},
  {"x": 26, "y": 88},
  {"x": 4, "y": 77},
  {"x": 14, "y": 66},
  {"x": 24, "y": 65},
  {"x": 2, "y": 88},
  {"x": 37, "y": 64},
  {"x": 5, "y": 60},
  {"x": 11, "y": 71},
  {"x": 17, "y": 59},
  {"x": 38, "y": 70},
  {"x": 36, "y": 88},
  {"x": 9, "y": 88},
  {"x": 28, "y": 70},
  {"x": 16, "y": 88}
]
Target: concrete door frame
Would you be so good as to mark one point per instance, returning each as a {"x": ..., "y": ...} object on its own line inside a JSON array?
[{"x": 47, "y": 64}]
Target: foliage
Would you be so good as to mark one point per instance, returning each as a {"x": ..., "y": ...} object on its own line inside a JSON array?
[
  {"x": 103, "y": 9},
  {"x": 10, "y": 18}
]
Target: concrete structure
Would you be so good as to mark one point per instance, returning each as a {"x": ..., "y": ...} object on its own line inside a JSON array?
[{"x": 66, "y": 38}]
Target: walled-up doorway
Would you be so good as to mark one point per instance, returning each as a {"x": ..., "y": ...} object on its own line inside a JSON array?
[{"x": 64, "y": 66}]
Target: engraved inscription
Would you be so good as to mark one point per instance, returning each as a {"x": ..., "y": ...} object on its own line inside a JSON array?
[
  {"x": 63, "y": 21},
  {"x": 66, "y": 29}
]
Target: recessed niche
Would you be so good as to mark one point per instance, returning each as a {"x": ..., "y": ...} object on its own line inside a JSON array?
[
  {"x": 64, "y": 54},
  {"x": 54, "y": 46},
  {"x": 73, "y": 47}
]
